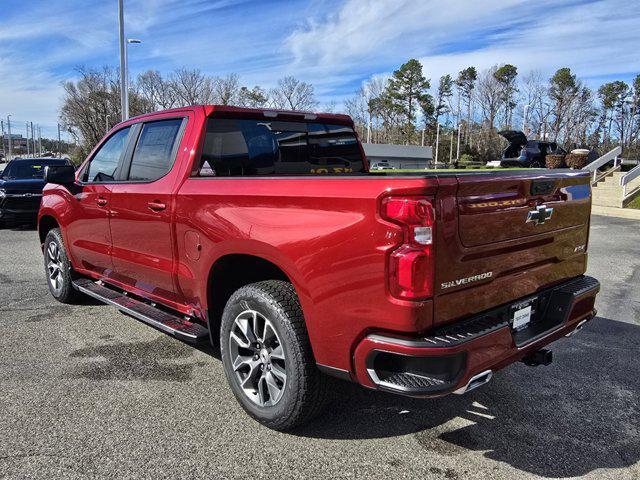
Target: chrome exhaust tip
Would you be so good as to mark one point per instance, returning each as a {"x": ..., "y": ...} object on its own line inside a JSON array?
[
  {"x": 579, "y": 327},
  {"x": 475, "y": 382}
]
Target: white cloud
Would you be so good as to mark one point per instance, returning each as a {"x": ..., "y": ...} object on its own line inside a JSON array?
[
  {"x": 334, "y": 45},
  {"x": 593, "y": 38}
]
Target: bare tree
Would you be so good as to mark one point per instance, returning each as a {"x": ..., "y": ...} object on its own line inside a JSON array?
[
  {"x": 293, "y": 94},
  {"x": 534, "y": 94},
  {"x": 226, "y": 90},
  {"x": 91, "y": 105},
  {"x": 357, "y": 107},
  {"x": 191, "y": 87},
  {"x": 489, "y": 96},
  {"x": 156, "y": 90}
]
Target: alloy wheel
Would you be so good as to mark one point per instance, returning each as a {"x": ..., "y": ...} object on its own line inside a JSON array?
[
  {"x": 54, "y": 268},
  {"x": 257, "y": 358}
]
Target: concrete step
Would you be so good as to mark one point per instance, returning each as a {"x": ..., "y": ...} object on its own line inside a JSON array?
[
  {"x": 606, "y": 191},
  {"x": 607, "y": 203}
]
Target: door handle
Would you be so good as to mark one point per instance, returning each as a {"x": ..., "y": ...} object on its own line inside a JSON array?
[
  {"x": 101, "y": 202},
  {"x": 156, "y": 206}
]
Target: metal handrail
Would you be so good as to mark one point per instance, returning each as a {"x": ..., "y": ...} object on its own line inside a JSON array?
[
  {"x": 604, "y": 159},
  {"x": 627, "y": 178}
]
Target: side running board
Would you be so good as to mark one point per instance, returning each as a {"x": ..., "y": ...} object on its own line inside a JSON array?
[{"x": 174, "y": 324}]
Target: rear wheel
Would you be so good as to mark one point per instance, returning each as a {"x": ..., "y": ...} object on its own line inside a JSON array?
[
  {"x": 58, "y": 268},
  {"x": 267, "y": 355}
]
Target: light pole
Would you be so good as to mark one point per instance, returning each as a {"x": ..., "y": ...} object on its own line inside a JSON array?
[
  {"x": 124, "y": 67},
  {"x": 126, "y": 71},
  {"x": 124, "y": 100}
]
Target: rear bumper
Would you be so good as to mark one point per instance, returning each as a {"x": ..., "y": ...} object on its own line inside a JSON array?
[{"x": 461, "y": 356}]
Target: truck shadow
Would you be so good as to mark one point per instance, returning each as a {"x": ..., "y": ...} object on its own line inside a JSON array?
[{"x": 568, "y": 419}]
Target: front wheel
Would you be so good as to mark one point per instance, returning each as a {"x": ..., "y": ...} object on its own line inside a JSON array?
[
  {"x": 267, "y": 356},
  {"x": 58, "y": 268}
]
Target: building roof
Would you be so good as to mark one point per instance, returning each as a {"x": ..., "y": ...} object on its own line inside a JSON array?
[{"x": 397, "y": 151}]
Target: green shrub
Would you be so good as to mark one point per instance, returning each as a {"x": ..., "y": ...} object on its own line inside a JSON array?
[{"x": 466, "y": 158}]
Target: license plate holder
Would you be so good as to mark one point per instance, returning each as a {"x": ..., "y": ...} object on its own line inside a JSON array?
[{"x": 522, "y": 314}]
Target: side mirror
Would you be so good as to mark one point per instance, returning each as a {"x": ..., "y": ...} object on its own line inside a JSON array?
[{"x": 60, "y": 174}]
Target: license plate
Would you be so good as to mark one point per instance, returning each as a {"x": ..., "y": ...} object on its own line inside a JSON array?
[{"x": 521, "y": 318}]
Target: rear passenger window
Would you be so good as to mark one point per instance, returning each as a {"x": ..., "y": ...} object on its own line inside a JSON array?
[
  {"x": 272, "y": 147},
  {"x": 155, "y": 152}
]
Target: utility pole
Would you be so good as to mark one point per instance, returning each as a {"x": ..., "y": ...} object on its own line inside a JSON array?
[
  {"x": 451, "y": 149},
  {"x": 422, "y": 142},
  {"x": 4, "y": 152},
  {"x": 9, "y": 134},
  {"x": 33, "y": 141},
  {"x": 437, "y": 141},
  {"x": 458, "y": 146},
  {"x": 27, "y": 138},
  {"x": 59, "y": 147},
  {"x": 39, "y": 140}
]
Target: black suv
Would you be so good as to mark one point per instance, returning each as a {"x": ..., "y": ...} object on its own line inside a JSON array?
[
  {"x": 526, "y": 153},
  {"x": 21, "y": 185}
]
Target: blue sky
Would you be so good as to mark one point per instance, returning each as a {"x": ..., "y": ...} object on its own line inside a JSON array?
[{"x": 335, "y": 45}]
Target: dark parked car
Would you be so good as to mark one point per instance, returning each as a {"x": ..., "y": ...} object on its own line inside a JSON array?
[
  {"x": 21, "y": 185},
  {"x": 526, "y": 153}
]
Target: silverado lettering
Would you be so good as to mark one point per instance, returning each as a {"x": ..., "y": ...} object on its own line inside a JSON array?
[
  {"x": 265, "y": 234},
  {"x": 464, "y": 281}
]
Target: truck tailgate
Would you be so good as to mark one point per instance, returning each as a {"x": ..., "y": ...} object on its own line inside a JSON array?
[{"x": 507, "y": 235}]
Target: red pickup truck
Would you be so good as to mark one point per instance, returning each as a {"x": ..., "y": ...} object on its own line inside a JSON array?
[{"x": 264, "y": 232}]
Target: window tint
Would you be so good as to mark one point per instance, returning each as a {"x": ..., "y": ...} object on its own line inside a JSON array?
[
  {"x": 104, "y": 164},
  {"x": 265, "y": 147},
  {"x": 32, "y": 168},
  {"x": 154, "y": 155}
]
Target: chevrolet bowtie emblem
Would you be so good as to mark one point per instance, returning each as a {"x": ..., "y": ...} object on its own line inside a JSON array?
[{"x": 541, "y": 214}]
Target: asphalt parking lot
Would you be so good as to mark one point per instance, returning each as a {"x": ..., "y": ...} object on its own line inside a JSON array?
[{"x": 87, "y": 392}]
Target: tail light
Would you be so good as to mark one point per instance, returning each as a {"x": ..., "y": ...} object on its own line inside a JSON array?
[{"x": 411, "y": 265}]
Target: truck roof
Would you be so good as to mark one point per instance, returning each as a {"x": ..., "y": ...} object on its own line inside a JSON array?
[{"x": 266, "y": 112}]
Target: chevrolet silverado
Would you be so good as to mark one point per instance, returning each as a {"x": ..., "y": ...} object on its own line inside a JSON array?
[{"x": 264, "y": 233}]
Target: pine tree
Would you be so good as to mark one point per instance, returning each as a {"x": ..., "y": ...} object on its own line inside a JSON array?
[
  {"x": 506, "y": 77},
  {"x": 408, "y": 89}
]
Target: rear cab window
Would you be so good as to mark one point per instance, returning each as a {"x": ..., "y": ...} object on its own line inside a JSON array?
[{"x": 258, "y": 147}]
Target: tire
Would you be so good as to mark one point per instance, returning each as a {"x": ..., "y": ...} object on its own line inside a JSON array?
[
  {"x": 268, "y": 318},
  {"x": 58, "y": 268}
]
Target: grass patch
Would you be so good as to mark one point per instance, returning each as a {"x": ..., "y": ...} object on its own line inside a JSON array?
[{"x": 635, "y": 203}]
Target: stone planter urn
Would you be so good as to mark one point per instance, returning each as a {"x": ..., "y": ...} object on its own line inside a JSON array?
[{"x": 554, "y": 161}]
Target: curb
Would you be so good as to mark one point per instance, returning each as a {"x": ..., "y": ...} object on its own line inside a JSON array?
[{"x": 630, "y": 213}]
